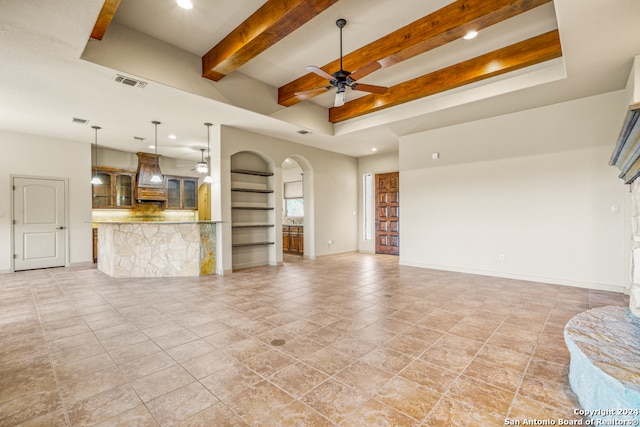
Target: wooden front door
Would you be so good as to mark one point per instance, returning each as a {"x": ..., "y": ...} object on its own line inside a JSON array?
[
  {"x": 39, "y": 218},
  {"x": 388, "y": 213}
]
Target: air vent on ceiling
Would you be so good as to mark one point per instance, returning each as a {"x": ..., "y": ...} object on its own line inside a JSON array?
[
  {"x": 79, "y": 121},
  {"x": 303, "y": 132},
  {"x": 129, "y": 81},
  {"x": 138, "y": 138}
]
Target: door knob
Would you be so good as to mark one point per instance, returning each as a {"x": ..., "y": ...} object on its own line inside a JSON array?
[{"x": 61, "y": 228}]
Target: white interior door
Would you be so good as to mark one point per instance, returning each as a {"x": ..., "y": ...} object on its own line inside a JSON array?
[{"x": 39, "y": 223}]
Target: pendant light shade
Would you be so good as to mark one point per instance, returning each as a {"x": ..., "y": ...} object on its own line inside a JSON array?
[
  {"x": 208, "y": 179},
  {"x": 95, "y": 180},
  {"x": 156, "y": 178},
  {"x": 201, "y": 166}
]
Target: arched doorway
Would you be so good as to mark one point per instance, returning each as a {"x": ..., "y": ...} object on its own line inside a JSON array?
[
  {"x": 292, "y": 208},
  {"x": 297, "y": 207}
]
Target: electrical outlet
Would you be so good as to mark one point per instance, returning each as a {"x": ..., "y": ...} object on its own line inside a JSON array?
[{"x": 501, "y": 257}]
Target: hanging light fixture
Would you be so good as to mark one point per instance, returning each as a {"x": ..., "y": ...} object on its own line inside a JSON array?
[
  {"x": 156, "y": 178},
  {"x": 95, "y": 180},
  {"x": 208, "y": 179},
  {"x": 201, "y": 166}
]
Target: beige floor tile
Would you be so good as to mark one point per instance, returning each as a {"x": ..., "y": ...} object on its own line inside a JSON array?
[
  {"x": 378, "y": 343},
  {"x": 298, "y": 379},
  {"x": 178, "y": 405},
  {"x": 161, "y": 382}
]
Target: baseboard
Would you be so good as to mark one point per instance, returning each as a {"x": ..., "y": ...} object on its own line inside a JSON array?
[
  {"x": 336, "y": 253},
  {"x": 5, "y": 271},
  {"x": 82, "y": 264},
  {"x": 539, "y": 279}
]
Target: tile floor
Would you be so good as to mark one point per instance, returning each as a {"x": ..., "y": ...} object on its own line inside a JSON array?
[{"x": 367, "y": 342}]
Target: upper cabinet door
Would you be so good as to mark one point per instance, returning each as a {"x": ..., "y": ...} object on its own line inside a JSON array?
[
  {"x": 102, "y": 195},
  {"x": 173, "y": 196},
  {"x": 190, "y": 194},
  {"x": 124, "y": 190}
]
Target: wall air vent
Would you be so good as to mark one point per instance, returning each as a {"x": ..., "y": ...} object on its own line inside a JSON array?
[
  {"x": 79, "y": 121},
  {"x": 129, "y": 81}
]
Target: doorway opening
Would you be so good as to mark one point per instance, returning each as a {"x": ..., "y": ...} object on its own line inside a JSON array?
[{"x": 293, "y": 207}]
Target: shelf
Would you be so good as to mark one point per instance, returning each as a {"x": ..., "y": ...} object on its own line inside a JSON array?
[
  {"x": 251, "y": 190},
  {"x": 242, "y": 245},
  {"x": 253, "y": 208},
  {"x": 252, "y": 226},
  {"x": 251, "y": 172}
]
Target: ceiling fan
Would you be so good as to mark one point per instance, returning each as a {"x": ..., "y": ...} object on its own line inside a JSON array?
[{"x": 342, "y": 79}]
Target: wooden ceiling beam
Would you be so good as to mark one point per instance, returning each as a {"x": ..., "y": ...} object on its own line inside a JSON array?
[
  {"x": 429, "y": 32},
  {"x": 269, "y": 24},
  {"x": 523, "y": 54},
  {"x": 109, "y": 8}
]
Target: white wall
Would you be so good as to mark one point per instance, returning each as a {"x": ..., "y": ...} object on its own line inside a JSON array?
[
  {"x": 333, "y": 186},
  {"x": 534, "y": 186},
  {"x": 380, "y": 163},
  {"x": 47, "y": 157}
]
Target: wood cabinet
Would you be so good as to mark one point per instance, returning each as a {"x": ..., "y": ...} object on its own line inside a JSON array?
[
  {"x": 293, "y": 239},
  {"x": 116, "y": 190},
  {"x": 95, "y": 245},
  {"x": 182, "y": 192}
]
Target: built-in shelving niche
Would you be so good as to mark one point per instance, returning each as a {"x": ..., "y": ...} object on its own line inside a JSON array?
[{"x": 252, "y": 211}]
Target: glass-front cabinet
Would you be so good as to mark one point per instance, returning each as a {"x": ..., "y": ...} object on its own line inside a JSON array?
[
  {"x": 182, "y": 192},
  {"x": 102, "y": 197},
  {"x": 115, "y": 189},
  {"x": 124, "y": 190}
]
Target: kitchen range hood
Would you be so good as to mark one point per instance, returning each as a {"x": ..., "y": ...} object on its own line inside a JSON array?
[{"x": 146, "y": 190}]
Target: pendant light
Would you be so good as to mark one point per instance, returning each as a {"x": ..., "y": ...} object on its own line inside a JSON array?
[
  {"x": 208, "y": 179},
  {"x": 156, "y": 178},
  {"x": 201, "y": 166},
  {"x": 95, "y": 180}
]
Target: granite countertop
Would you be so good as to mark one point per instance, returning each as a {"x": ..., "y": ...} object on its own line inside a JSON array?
[{"x": 156, "y": 222}]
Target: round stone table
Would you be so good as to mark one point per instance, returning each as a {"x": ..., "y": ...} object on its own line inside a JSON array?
[{"x": 604, "y": 344}]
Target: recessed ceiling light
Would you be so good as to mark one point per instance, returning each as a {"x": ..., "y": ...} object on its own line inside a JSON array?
[
  {"x": 185, "y": 4},
  {"x": 471, "y": 35},
  {"x": 374, "y": 149},
  {"x": 172, "y": 136},
  {"x": 152, "y": 147}
]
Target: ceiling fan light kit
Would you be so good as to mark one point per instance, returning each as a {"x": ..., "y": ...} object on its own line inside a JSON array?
[{"x": 342, "y": 79}]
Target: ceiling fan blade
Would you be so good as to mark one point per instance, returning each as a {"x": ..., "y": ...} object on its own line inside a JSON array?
[
  {"x": 319, "y": 71},
  {"x": 312, "y": 92},
  {"x": 365, "y": 70},
  {"x": 369, "y": 88}
]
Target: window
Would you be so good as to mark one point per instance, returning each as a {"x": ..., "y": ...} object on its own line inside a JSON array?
[
  {"x": 294, "y": 207},
  {"x": 293, "y": 202},
  {"x": 367, "y": 192}
]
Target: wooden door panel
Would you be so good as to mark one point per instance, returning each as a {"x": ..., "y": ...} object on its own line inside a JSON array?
[{"x": 388, "y": 213}]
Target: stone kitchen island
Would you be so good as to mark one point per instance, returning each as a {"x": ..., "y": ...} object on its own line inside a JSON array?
[{"x": 157, "y": 249}]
